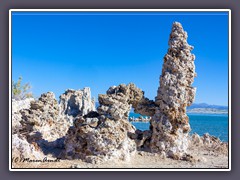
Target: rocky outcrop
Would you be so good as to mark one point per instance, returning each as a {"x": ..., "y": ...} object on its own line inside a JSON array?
[
  {"x": 18, "y": 105},
  {"x": 116, "y": 104},
  {"x": 108, "y": 135},
  {"x": 43, "y": 120},
  {"x": 21, "y": 148},
  {"x": 141, "y": 138},
  {"x": 107, "y": 141},
  {"x": 170, "y": 122},
  {"x": 145, "y": 107},
  {"x": 76, "y": 102},
  {"x": 208, "y": 142},
  {"x": 51, "y": 120}
]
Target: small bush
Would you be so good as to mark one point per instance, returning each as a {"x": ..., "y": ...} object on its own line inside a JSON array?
[{"x": 21, "y": 91}]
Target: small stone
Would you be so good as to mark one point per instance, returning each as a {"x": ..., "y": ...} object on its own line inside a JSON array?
[{"x": 75, "y": 166}]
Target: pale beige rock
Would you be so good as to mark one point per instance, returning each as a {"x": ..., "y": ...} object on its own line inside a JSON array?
[
  {"x": 196, "y": 139},
  {"x": 44, "y": 122},
  {"x": 209, "y": 143},
  {"x": 21, "y": 149},
  {"x": 18, "y": 105},
  {"x": 108, "y": 135},
  {"x": 43, "y": 119},
  {"x": 215, "y": 144},
  {"x": 76, "y": 102},
  {"x": 170, "y": 122}
]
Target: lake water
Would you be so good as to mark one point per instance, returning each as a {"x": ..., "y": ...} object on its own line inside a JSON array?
[{"x": 214, "y": 124}]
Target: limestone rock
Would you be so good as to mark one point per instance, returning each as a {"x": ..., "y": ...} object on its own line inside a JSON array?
[
  {"x": 145, "y": 107},
  {"x": 107, "y": 141},
  {"x": 196, "y": 139},
  {"x": 43, "y": 119},
  {"x": 18, "y": 105},
  {"x": 141, "y": 138},
  {"x": 209, "y": 143},
  {"x": 104, "y": 135},
  {"x": 213, "y": 143},
  {"x": 22, "y": 149},
  {"x": 44, "y": 122},
  {"x": 119, "y": 100},
  {"x": 76, "y": 102},
  {"x": 170, "y": 121}
]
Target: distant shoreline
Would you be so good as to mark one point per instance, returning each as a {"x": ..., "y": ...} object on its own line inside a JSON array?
[{"x": 206, "y": 111}]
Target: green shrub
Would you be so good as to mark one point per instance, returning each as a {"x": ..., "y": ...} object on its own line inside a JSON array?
[{"x": 21, "y": 91}]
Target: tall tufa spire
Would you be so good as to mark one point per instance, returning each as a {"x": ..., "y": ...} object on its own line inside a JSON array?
[{"x": 170, "y": 122}]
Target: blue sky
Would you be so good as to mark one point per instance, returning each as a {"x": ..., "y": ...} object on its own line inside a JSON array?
[{"x": 61, "y": 50}]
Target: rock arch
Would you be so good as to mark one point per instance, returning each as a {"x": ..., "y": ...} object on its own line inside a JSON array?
[{"x": 108, "y": 134}]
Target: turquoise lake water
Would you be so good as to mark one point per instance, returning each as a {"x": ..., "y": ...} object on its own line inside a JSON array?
[{"x": 214, "y": 124}]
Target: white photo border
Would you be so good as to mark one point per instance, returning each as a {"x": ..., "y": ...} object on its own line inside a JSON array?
[{"x": 119, "y": 10}]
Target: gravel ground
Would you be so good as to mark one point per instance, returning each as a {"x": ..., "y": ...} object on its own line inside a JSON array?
[{"x": 203, "y": 159}]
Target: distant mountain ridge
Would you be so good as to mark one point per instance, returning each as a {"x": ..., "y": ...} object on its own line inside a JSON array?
[{"x": 205, "y": 105}]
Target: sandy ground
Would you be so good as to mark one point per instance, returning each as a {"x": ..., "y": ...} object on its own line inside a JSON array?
[{"x": 206, "y": 159}]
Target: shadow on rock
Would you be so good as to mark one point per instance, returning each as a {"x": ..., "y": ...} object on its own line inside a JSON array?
[{"x": 55, "y": 148}]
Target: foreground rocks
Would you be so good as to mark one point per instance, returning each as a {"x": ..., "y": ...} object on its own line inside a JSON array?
[
  {"x": 21, "y": 148},
  {"x": 204, "y": 158},
  {"x": 210, "y": 143},
  {"x": 43, "y": 123},
  {"x": 106, "y": 134},
  {"x": 16, "y": 115},
  {"x": 43, "y": 119}
]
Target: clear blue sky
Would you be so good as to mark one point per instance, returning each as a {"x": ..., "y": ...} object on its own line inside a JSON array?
[{"x": 57, "y": 51}]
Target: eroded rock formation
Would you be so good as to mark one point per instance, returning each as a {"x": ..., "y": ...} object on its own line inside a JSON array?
[
  {"x": 43, "y": 119},
  {"x": 76, "y": 102},
  {"x": 21, "y": 148},
  {"x": 208, "y": 142},
  {"x": 106, "y": 135},
  {"x": 44, "y": 122},
  {"x": 18, "y": 105},
  {"x": 170, "y": 122},
  {"x": 51, "y": 120}
]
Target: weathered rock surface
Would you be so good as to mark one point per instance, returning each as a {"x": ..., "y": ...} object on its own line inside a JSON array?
[
  {"x": 109, "y": 140},
  {"x": 209, "y": 143},
  {"x": 44, "y": 122},
  {"x": 21, "y": 148},
  {"x": 43, "y": 119},
  {"x": 18, "y": 105},
  {"x": 106, "y": 136},
  {"x": 141, "y": 138},
  {"x": 76, "y": 102},
  {"x": 170, "y": 122}
]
